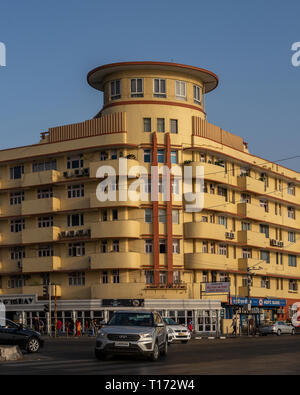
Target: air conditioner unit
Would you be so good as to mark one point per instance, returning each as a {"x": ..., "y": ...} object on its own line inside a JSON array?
[{"x": 280, "y": 244}]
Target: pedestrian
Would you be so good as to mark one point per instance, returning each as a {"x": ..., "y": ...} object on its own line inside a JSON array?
[
  {"x": 78, "y": 328},
  {"x": 68, "y": 327},
  {"x": 36, "y": 324},
  {"x": 42, "y": 326},
  {"x": 59, "y": 326},
  {"x": 190, "y": 326},
  {"x": 234, "y": 325}
]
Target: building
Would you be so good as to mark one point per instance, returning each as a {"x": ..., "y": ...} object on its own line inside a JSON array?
[{"x": 53, "y": 228}]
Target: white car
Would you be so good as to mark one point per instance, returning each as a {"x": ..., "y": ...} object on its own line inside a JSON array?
[{"x": 176, "y": 332}]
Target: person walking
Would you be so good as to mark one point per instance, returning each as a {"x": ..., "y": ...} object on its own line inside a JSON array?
[
  {"x": 78, "y": 328},
  {"x": 36, "y": 324},
  {"x": 234, "y": 325}
]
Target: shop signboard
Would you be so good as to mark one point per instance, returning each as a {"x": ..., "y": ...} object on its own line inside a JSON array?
[
  {"x": 259, "y": 302},
  {"x": 123, "y": 302},
  {"x": 217, "y": 287}
]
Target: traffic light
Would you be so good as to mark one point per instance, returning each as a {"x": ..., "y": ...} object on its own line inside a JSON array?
[
  {"x": 46, "y": 308},
  {"x": 45, "y": 290}
]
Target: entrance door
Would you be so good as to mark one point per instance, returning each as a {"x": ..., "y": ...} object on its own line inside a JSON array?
[{"x": 207, "y": 321}]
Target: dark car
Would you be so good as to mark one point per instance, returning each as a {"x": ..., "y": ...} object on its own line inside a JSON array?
[{"x": 16, "y": 334}]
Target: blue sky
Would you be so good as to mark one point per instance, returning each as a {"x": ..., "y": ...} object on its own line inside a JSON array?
[{"x": 51, "y": 46}]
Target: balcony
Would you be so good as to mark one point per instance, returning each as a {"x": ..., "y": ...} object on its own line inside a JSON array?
[
  {"x": 40, "y": 206},
  {"x": 11, "y": 211},
  {"x": 41, "y": 264},
  {"x": 10, "y": 267},
  {"x": 254, "y": 239},
  {"x": 95, "y": 203},
  {"x": 202, "y": 261},
  {"x": 74, "y": 204},
  {"x": 204, "y": 230},
  {"x": 40, "y": 235},
  {"x": 115, "y": 260},
  {"x": 40, "y": 178},
  {"x": 218, "y": 203},
  {"x": 113, "y": 163},
  {"x": 8, "y": 238},
  {"x": 38, "y": 290},
  {"x": 211, "y": 172},
  {"x": 116, "y": 229},
  {"x": 249, "y": 184},
  {"x": 248, "y": 210}
]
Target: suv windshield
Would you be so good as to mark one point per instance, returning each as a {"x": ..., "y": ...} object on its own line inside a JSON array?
[
  {"x": 132, "y": 319},
  {"x": 170, "y": 321}
]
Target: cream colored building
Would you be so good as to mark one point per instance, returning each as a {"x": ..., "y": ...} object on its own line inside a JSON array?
[{"x": 54, "y": 228}]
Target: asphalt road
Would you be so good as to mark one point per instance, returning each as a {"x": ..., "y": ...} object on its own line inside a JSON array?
[{"x": 258, "y": 355}]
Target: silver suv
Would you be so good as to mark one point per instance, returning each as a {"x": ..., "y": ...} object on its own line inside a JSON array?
[
  {"x": 133, "y": 332},
  {"x": 278, "y": 328}
]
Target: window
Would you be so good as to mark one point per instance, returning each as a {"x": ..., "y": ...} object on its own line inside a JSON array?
[
  {"x": 223, "y": 277},
  {"x": 17, "y": 253},
  {"x": 148, "y": 246},
  {"x": 245, "y": 171},
  {"x": 16, "y": 172},
  {"x": 116, "y": 276},
  {"x": 205, "y": 277},
  {"x": 162, "y": 215},
  {"x": 161, "y": 125},
  {"x": 45, "y": 193},
  {"x": 137, "y": 89},
  {"x": 113, "y": 154},
  {"x": 246, "y": 226},
  {"x": 292, "y": 237},
  {"x": 16, "y": 198},
  {"x": 115, "y": 215},
  {"x": 160, "y": 156},
  {"x": 292, "y": 260},
  {"x": 163, "y": 277},
  {"x": 104, "y": 277},
  {"x": 264, "y": 229},
  {"x": 176, "y": 246},
  {"x": 103, "y": 155},
  {"x": 45, "y": 222},
  {"x": 159, "y": 87},
  {"x": 147, "y": 124},
  {"x": 205, "y": 247},
  {"x": 17, "y": 225},
  {"x": 174, "y": 158},
  {"x": 197, "y": 94},
  {"x": 44, "y": 165},
  {"x": 176, "y": 277},
  {"x": 147, "y": 155},
  {"x": 247, "y": 253},
  {"x": 16, "y": 282},
  {"x": 174, "y": 126},
  {"x": 222, "y": 220},
  {"x": 265, "y": 282},
  {"x": 222, "y": 192},
  {"x": 265, "y": 256},
  {"x": 222, "y": 249},
  {"x": 245, "y": 198},
  {"x": 149, "y": 274},
  {"x": 76, "y": 279},
  {"x": 265, "y": 204},
  {"x": 104, "y": 246},
  {"x": 148, "y": 215},
  {"x": 104, "y": 215},
  {"x": 115, "y": 246},
  {"x": 291, "y": 189},
  {"x": 76, "y": 249},
  {"x": 162, "y": 246},
  {"x": 45, "y": 250},
  {"x": 175, "y": 182},
  {"x": 293, "y": 285},
  {"x": 75, "y": 162},
  {"x": 175, "y": 216},
  {"x": 75, "y": 220},
  {"x": 115, "y": 89},
  {"x": 291, "y": 212},
  {"x": 180, "y": 90},
  {"x": 75, "y": 191}
]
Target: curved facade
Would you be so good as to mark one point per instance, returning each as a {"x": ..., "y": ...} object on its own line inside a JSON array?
[{"x": 53, "y": 226}]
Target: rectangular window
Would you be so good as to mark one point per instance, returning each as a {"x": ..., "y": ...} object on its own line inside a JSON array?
[
  {"x": 163, "y": 277},
  {"x": 45, "y": 222},
  {"x": 293, "y": 285},
  {"x": 149, "y": 274},
  {"x": 16, "y": 282},
  {"x": 162, "y": 246},
  {"x": 291, "y": 212},
  {"x": 116, "y": 276},
  {"x": 114, "y": 214},
  {"x": 174, "y": 126},
  {"x": 292, "y": 260},
  {"x": 147, "y": 124},
  {"x": 292, "y": 237},
  {"x": 16, "y": 198},
  {"x": 205, "y": 247},
  {"x": 223, "y": 249},
  {"x": 76, "y": 279},
  {"x": 245, "y": 198},
  {"x": 103, "y": 155},
  {"x": 222, "y": 220},
  {"x": 176, "y": 246},
  {"x": 45, "y": 250},
  {"x": 148, "y": 246},
  {"x": 174, "y": 157},
  {"x": 160, "y": 125},
  {"x": 147, "y": 156},
  {"x": 104, "y": 277},
  {"x": 265, "y": 282},
  {"x": 113, "y": 154},
  {"x": 104, "y": 246},
  {"x": 175, "y": 216},
  {"x": 45, "y": 193},
  {"x": 75, "y": 220},
  {"x": 247, "y": 253},
  {"x": 159, "y": 87},
  {"x": 104, "y": 215},
  {"x": 76, "y": 249},
  {"x": 75, "y": 162},
  {"x": 197, "y": 94},
  {"x": 45, "y": 165},
  {"x": 162, "y": 215},
  {"x": 160, "y": 156},
  {"x": 180, "y": 90},
  {"x": 17, "y": 253},
  {"x": 265, "y": 256},
  {"x": 264, "y": 229},
  {"x": 115, "y": 89},
  {"x": 16, "y": 172},
  {"x": 115, "y": 245},
  {"x": 148, "y": 215},
  {"x": 17, "y": 225},
  {"x": 137, "y": 87},
  {"x": 75, "y": 191},
  {"x": 291, "y": 189}
]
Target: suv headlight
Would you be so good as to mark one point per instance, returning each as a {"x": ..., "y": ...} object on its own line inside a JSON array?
[
  {"x": 102, "y": 334},
  {"x": 145, "y": 336},
  {"x": 170, "y": 330}
]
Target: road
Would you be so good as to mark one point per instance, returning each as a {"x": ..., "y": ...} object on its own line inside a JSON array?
[{"x": 258, "y": 355}]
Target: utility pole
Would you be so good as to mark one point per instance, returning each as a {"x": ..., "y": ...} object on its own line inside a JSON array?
[
  {"x": 55, "y": 310},
  {"x": 50, "y": 314}
]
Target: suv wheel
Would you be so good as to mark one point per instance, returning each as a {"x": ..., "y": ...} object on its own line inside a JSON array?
[
  {"x": 293, "y": 331},
  {"x": 100, "y": 355},
  {"x": 155, "y": 353},
  {"x": 278, "y": 332},
  {"x": 164, "y": 350},
  {"x": 33, "y": 345}
]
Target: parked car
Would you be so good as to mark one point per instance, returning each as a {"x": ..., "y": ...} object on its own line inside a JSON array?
[
  {"x": 17, "y": 334},
  {"x": 133, "y": 332},
  {"x": 177, "y": 332},
  {"x": 278, "y": 328}
]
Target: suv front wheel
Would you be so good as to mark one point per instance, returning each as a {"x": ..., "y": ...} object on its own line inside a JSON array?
[
  {"x": 164, "y": 350},
  {"x": 33, "y": 345},
  {"x": 155, "y": 353}
]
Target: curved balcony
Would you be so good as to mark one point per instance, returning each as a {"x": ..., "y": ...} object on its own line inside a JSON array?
[
  {"x": 115, "y": 260},
  {"x": 253, "y": 238},
  {"x": 40, "y": 178},
  {"x": 41, "y": 264},
  {"x": 249, "y": 184},
  {"x": 116, "y": 229},
  {"x": 95, "y": 203},
  {"x": 204, "y": 230},
  {"x": 40, "y": 235},
  {"x": 40, "y": 206},
  {"x": 253, "y": 212},
  {"x": 211, "y": 172},
  {"x": 202, "y": 261},
  {"x": 113, "y": 163}
]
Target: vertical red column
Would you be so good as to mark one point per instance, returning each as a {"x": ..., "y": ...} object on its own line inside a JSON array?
[
  {"x": 169, "y": 216},
  {"x": 155, "y": 219}
]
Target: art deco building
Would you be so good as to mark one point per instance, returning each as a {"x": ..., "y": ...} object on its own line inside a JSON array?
[{"x": 156, "y": 253}]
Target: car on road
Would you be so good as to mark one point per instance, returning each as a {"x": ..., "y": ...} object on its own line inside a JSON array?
[
  {"x": 17, "y": 334},
  {"x": 176, "y": 332},
  {"x": 133, "y": 333},
  {"x": 278, "y": 328}
]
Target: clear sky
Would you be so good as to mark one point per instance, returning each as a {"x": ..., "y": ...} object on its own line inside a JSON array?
[{"x": 51, "y": 46}]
